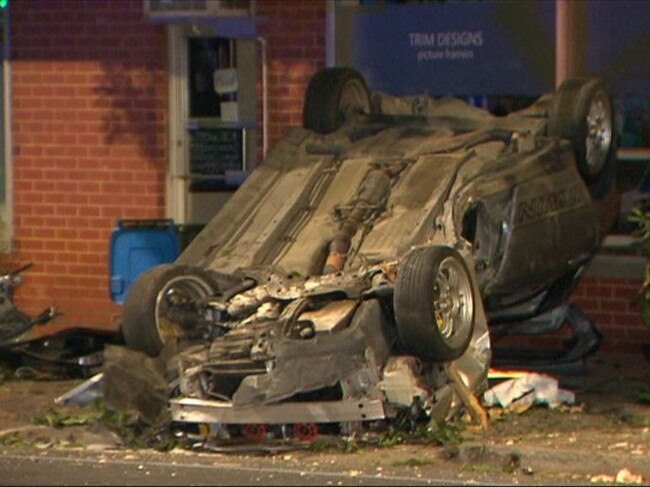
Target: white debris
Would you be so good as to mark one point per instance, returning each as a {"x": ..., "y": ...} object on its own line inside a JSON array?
[
  {"x": 625, "y": 476},
  {"x": 527, "y": 390}
]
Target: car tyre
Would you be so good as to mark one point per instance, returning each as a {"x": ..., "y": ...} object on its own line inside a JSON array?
[
  {"x": 434, "y": 304},
  {"x": 333, "y": 96},
  {"x": 145, "y": 327},
  {"x": 582, "y": 112}
]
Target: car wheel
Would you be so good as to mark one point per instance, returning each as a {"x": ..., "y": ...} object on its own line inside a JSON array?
[
  {"x": 146, "y": 326},
  {"x": 434, "y": 304},
  {"x": 582, "y": 113},
  {"x": 333, "y": 95}
]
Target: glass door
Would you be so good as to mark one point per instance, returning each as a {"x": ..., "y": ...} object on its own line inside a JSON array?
[{"x": 213, "y": 120}]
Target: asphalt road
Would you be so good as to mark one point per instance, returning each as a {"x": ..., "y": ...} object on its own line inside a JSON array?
[{"x": 87, "y": 468}]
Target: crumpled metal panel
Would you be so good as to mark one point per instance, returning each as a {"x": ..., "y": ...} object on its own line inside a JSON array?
[
  {"x": 285, "y": 215},
  {"x": 287, "y": 153},
  {"x": 323, "y": 361},
  {"x": 413, "y": 204},
  {"x": 331, "y": 317},
  {"x": 305, "y": 249}
]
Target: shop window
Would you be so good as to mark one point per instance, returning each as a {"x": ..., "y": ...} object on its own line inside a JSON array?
[{"x": 207, "y": 55}]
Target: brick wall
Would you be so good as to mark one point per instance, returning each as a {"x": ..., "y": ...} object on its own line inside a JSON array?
[
  {"x": 295, "y": 35},
  {"x": 613, "y": 305},
  {"x": 89, "y": 107}
]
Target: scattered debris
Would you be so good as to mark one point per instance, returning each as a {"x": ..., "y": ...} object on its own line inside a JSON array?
[
  {"x": 71, "y": 353},
  {"x": 623, "y": 476},
  {"x": 14, "y": 324},
  {"x": 521, "y": 393},
  {"x": 84, "y": 393},
  {"x": 447, "y": 434}
]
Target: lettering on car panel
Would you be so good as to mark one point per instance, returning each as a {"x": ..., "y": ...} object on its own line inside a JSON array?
[{"x": 536, "y": 207}]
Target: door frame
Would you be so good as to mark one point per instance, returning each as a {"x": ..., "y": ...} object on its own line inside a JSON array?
[{"x": 177, "y": 151}]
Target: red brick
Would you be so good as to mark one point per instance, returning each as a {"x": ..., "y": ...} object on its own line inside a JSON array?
[
  {"x": 626, "y": 291},
  {"x": 599, "y": 291},
  {"x": 613, "y": 305},
  {"x": 620, "y": 346},
  {"x": 110, "y": 43},
  {"x": 602, "y": 319},
  {"x": 628, "y": 319},
  {"x": 612, "y": 332}
]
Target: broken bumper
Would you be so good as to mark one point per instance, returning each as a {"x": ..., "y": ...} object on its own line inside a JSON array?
[{"x": 191, "y": 410}]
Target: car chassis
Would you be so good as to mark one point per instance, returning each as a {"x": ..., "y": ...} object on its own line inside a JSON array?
[{"x": 352, "y": 277}]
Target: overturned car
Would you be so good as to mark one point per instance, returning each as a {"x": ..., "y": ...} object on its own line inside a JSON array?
[{"x": 352, "y": 277}]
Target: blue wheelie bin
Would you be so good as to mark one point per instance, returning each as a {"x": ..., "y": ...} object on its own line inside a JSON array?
[{"x": 136, "y": 246}]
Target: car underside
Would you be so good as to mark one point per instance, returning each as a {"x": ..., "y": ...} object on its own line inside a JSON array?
[{"x": 355, "y": 275}]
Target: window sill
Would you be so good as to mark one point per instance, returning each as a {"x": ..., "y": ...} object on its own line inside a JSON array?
[{"x": 618, "y": 259}]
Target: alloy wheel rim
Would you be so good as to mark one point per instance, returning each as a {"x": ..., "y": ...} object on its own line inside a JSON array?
[
  {"x": 354, "y": 99},
  {"x": 453, "y": 304},
  {"x": 599, "y": 132},
  {"x": 190, "y": 286}
]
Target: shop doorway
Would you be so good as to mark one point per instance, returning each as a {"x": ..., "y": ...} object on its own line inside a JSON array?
[{"x": 213, "y": 113}]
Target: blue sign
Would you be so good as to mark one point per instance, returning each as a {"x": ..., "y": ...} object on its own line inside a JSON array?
[{"x": 457, "y": 48}]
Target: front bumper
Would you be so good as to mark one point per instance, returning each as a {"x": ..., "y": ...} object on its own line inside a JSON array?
[{"x": 189, "y": 410}]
